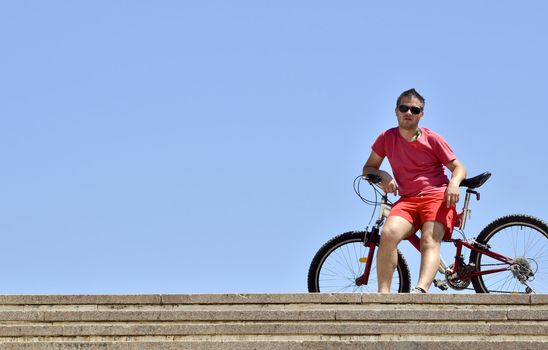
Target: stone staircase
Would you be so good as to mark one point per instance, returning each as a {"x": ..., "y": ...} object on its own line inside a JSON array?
[{"x": 274, "y": 321}]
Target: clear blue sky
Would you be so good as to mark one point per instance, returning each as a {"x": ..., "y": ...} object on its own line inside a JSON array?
[{"x": 210, "y": 146}]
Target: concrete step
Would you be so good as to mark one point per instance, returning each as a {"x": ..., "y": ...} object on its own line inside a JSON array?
[
  {"x": 377, "y": 344},
  {"x": 273, "y": 321}
]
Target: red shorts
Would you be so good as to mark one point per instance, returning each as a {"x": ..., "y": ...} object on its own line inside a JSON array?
[{"x": 429, "y": 207}]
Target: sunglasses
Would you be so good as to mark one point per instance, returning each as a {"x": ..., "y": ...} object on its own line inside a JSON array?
[{"x": 414, "y": 110}]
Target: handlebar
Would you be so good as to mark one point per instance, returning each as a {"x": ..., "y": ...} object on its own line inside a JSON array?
[{"x": 372, "y": 179}]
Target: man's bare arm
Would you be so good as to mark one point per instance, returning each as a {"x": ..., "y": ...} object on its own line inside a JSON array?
[
  {"x": 458, "y": 171},
  {"x": 372, "y": 166}
]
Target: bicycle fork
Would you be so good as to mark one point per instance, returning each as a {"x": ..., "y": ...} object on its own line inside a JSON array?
[{"x": 371, "y": 240}]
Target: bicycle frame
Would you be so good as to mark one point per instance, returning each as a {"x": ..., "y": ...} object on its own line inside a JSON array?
[{"x": 373, "y": 238}]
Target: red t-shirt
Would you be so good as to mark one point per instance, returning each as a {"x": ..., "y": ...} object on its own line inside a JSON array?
[{"x": 418, "y": 166}]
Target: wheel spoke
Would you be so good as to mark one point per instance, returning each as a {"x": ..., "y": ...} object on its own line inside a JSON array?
[
  {"x": 524, "y": 239},
  {"x": 340, "y": 265}
]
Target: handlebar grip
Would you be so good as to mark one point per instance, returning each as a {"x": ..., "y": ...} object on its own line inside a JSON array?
[{"x": 372, "y": 178}]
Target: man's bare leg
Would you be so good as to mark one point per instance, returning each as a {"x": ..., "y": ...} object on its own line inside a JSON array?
[
  {"x": 394, "y": 231},
  {"x": 431, "y": 236}
]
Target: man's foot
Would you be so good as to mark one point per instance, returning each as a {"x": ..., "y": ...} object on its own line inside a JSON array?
[{"x": 418, "y": 290}]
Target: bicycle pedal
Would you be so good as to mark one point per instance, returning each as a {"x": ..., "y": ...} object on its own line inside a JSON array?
[{"x": 441, "y": 284}]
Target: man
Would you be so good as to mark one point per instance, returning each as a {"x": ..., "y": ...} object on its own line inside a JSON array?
[{"x": 427, "y": 196}]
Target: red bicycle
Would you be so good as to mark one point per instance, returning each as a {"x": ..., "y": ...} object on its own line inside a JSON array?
[{"x": 508, "y": 256}]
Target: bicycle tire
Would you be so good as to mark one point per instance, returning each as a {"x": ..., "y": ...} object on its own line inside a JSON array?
[
  {"x": 522, "y": 238},
  {"x": 338, "y": 261}
]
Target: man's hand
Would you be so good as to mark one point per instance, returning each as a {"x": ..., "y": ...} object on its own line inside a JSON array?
[
  {"x": 388, "y": 183},
  {"x": 452, "y": 194}
]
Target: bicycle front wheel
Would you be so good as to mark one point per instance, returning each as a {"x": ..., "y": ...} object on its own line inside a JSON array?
[
  {"x": 340, "y": 261},
  {"x": 522, "y": 238}
]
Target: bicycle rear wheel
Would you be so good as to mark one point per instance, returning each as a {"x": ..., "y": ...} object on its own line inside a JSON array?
[
  {"x": 340, "y": 261},
  {"x": 522, "y": 238}
]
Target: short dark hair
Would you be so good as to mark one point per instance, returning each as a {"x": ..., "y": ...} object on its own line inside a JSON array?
[{"x": 410, "y": 93}]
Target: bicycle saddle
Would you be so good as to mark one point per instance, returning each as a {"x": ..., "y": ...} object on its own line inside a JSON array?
[{"x": 476, "y": 181}]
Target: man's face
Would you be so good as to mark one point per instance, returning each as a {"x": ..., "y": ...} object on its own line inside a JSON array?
[{"x": 406, "y": 119}]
